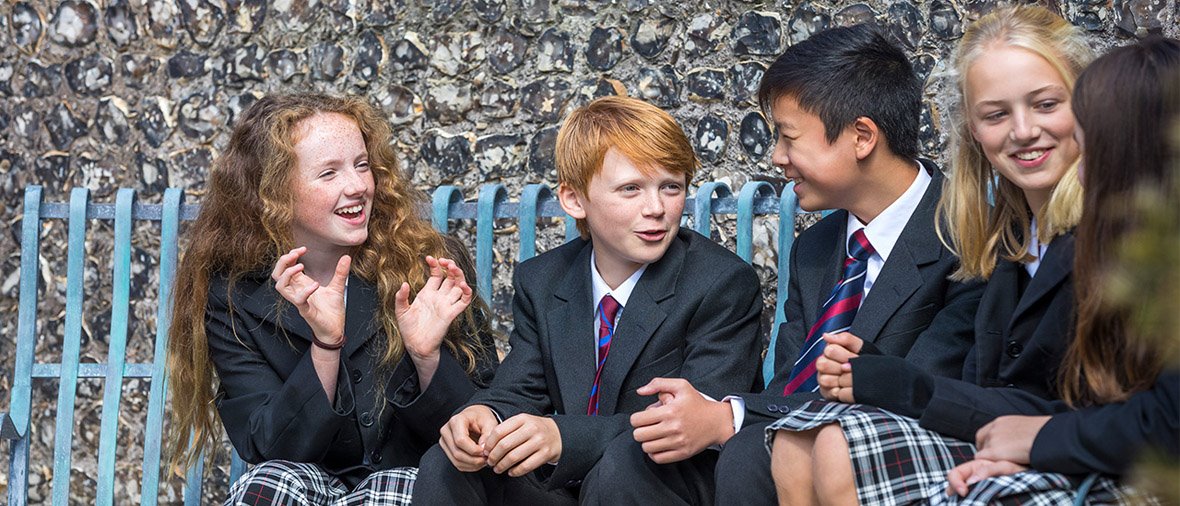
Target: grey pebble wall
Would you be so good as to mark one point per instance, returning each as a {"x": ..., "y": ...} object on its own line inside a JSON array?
[{"x": 140, "y": 93}]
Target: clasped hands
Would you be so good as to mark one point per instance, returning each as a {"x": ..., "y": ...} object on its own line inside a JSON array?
[
  {"x": 833, "y": 369},
  {"x": 475, "y": 438}
]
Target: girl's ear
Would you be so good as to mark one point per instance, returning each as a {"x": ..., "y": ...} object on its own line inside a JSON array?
[{"x": 571, "y": 201}]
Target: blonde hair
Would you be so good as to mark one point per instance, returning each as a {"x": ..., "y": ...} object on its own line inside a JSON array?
[
  {"x": 245, "y": 225},
  {"x": 646, "y": 134},
  {"x": 980, "y": 233}
]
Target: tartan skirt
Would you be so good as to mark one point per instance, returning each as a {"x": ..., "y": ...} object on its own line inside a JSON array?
[
  {"x": 896, "y": 462},
  {"x": 281, "y": 482}
]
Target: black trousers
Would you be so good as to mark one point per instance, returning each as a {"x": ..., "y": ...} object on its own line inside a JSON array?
[
  {"x": 743, "y": 469},
  {"x": 624, "y": 475}
]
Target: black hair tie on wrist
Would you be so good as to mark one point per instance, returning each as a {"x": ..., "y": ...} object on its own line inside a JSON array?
[{"x": 330, "y": 347}]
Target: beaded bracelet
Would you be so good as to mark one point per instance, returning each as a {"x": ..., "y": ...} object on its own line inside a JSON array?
[{"x": 326, "y": 346}]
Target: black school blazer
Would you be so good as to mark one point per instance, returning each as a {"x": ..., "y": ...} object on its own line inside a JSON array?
[
  {"x": 693, "y": 315},
  {"x": 273, "y": 405},
  {"x": 1020, "y": 340}
]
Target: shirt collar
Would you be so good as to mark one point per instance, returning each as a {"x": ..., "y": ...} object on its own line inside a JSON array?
[
  {"x": 622, "y": 293},
  {"x": 885, "y": 229}
]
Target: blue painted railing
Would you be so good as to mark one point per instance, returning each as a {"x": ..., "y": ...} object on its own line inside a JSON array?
[{"x": 536, "y": 201}]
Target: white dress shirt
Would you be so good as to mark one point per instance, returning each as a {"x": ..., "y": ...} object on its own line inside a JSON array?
[
  {"x": 620, "y": 294},
  {"x": 882, "y": 232}
]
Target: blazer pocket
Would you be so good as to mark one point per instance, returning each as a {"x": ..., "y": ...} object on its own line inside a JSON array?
[
  {"x": 912, "y": 322},
  {"x": 665, "y": 366}
]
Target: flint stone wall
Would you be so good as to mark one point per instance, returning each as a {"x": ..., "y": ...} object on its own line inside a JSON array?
[{"x": 133, "y": 93}]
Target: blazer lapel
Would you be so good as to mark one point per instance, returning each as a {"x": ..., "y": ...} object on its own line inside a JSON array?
[
  {"x": 263, "y": 301},
  {"x": 360, "y": 316},
  {"x": 571, "y": 327},
  {"x": 830, "y": 274},
  {"x": 1054, "y": 268},
  {"x": 901, "y": 276},
  {"x": 642, "y": 316}
]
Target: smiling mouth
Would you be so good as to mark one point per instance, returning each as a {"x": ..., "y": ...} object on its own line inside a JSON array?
[
  {"x": 1029, "y": 156},
  {"x": 351, "y": 212}
]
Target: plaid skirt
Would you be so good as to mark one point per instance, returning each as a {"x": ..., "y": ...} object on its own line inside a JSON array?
[
  {"x": 281, "y": 482},
  {"x": 896, "y": 462}
]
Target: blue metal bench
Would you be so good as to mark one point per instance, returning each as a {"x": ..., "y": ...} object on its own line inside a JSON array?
[{"x": 492, "y": 204}]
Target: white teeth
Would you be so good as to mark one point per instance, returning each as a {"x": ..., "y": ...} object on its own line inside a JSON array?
[
  {"x": 351, "y": 209},
  {"x": 1029, "y": 156}
]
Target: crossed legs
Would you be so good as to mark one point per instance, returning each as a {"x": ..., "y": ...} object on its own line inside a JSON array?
[{"x": 813, "y": 467}]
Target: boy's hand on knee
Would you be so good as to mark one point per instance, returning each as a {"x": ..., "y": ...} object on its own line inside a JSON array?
[
  {"x": 522, "y": 444},
  {"x": 682, "y": 424},
  {"x": 461, "y": 438}
]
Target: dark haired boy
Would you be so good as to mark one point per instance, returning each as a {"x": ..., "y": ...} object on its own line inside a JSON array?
[
  {"x": 872, "y": 276},
  {"x": 597, "y": 318}
]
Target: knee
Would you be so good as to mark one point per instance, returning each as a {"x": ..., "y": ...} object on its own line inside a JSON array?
[
  {"x": 296, "y": 480},
  {"x": 284, "y": 471},
  {"x": 622, "y": 462},
  {"x": 745, "y": 447},
  {"x": 792, "y": 458},
  {"x": 435, "y": 463},
  {"x": 831, "y": 462}
]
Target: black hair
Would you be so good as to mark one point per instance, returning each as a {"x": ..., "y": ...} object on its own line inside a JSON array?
[{"x": 845, "y": 73}]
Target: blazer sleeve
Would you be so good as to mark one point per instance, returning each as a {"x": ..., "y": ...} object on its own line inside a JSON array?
[
  {"x": 425, "y": 412},
  {"x": 942, "y": 347},
  {"x": 1109, "y": 439},
  {"x": 960, "y": 408},
  {"x": 770, "y": 405},
  {"x": 721, "y": 355},
  {"x": 519, "y": 385},
  {"x": 266, "y": 417}
]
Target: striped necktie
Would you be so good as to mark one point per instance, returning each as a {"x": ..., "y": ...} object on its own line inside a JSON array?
[
  {"x": 836, "y": 316},
  {"x": 608, "y": 310}
]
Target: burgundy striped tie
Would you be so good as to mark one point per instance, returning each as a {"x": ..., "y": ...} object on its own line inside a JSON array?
[
  {"x": 608, "y": 309},
  {"x": 836, "y": 316}
]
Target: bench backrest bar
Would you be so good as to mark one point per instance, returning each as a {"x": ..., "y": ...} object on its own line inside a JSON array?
[{"x": 448, "y": 203}]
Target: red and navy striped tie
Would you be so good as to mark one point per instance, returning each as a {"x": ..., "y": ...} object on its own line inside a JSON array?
[
  {"x": 608, "y": 309},
  {"x": 836, "y": 316}
]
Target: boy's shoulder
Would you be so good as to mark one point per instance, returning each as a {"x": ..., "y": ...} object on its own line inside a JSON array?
[
  {"x": 689, "y": 251},
  {"x": 559, "y": 259}
]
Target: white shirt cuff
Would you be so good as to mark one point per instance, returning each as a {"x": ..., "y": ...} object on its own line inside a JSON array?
[{"x": 738, "y": 405}]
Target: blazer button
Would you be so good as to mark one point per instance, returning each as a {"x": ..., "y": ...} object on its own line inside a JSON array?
[
  {"x": 772, "y": 408},
  {"x": 376, "y": 456},
  {"x": 356, "y": 375},
  {"x": 367, "y": 419},
  {"x": 1014, "y": 348}
]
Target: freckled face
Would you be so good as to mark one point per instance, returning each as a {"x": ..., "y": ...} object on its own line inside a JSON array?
[
  {"x": 633, "y": 217},
  {"x": 332, "y": 184},
  {"x": 1019, "y": 112}
]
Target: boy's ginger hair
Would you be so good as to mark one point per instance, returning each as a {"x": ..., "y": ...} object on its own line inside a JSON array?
[{"x": 644, "y": 133}]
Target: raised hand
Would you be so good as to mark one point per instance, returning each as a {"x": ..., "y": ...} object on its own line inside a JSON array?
[
  {"x": 834, "y": 369},
  {"x": 424, "y": 323},
  {"x": 321, "y": 306}
]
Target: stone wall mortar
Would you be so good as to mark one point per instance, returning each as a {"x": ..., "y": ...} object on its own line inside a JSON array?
[{"x": 139, "y": 93}]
